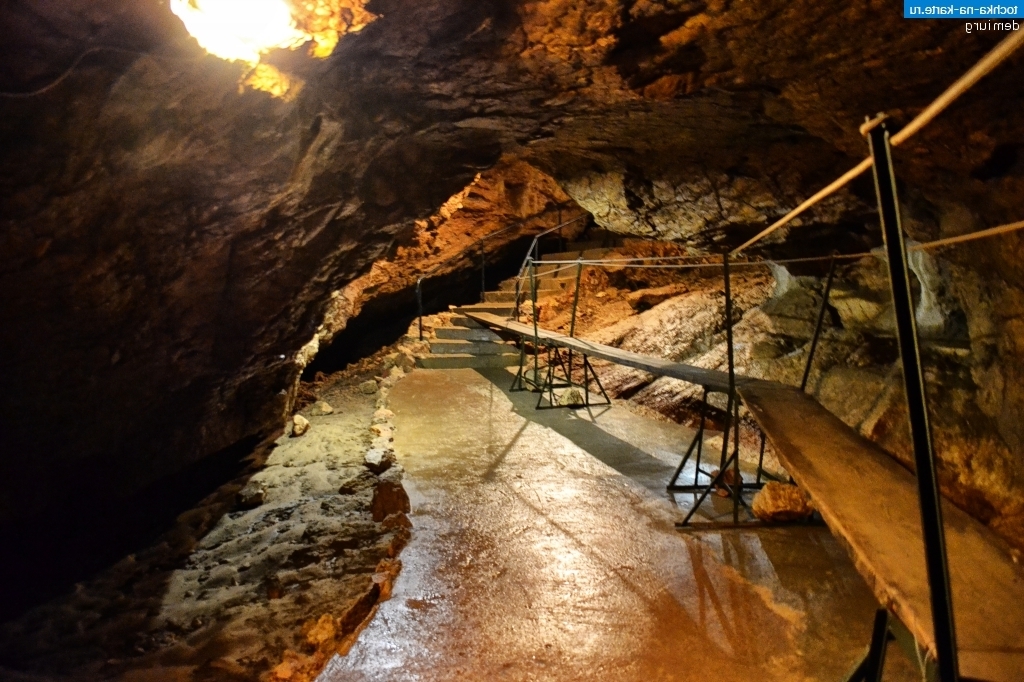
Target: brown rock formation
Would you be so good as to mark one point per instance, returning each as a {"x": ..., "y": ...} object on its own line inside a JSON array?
[{"x": 169, "y": 243}]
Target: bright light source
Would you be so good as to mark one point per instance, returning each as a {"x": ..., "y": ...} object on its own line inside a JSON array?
[
  {"x": 240, "y": 30},
  {"x": 245, "y": 30}
]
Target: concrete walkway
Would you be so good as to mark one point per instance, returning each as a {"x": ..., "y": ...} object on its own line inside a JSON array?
[{"x": 544, "y": 549}]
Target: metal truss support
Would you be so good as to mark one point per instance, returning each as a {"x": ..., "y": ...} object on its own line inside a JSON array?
[{"x": 731, "y": 429}]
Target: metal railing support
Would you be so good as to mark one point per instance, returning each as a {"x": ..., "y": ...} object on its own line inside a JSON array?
[
  {"x": 419, "y": 304},
  {"x": 519, "y": 291},
  {"x": 533, "y": 314},
  {"x": 483, "y": 272},
  {"x": 575, "y": 308},
  {"x": 730, "y": 354},
  {"x": 917, "y": 403},
  {"x": 533, "y": 253},
  {"x": 733, "y": 397},
  {"x": 732, "y": 416},
  {"x": 821, "y": 319}
]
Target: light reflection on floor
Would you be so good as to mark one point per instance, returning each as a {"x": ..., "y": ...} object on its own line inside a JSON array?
[{"x": 544, "y": 548}]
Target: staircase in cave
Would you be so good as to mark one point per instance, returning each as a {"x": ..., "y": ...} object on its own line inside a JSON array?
[{"x": 458, "y": 342}]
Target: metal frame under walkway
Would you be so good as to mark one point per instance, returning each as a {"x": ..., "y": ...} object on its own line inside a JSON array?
[{"x": 870, "y": 503}]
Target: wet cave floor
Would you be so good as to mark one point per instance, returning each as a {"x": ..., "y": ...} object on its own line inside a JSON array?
[
  {"x": 544, "y": 548},
  {"x": 541, "y": 546}
]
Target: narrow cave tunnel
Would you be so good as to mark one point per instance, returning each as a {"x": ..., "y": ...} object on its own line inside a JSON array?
[{"x": 493, "y": 339}]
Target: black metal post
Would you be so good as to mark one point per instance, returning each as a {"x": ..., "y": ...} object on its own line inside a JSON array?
[
  {"x": 728, "y": 324},
  {"x": 737, "y": 490},
  {"x": 876, "y": 654},
  {"x": 821, "y": 319},
  {"x": 561, "y": 239},
  {"x": 533, "y": 314},
  {"x": 760, "y": 461},
  {"x": 871, "y": 666},
  {"x": 700, "y": 434},
  {"x": 729, "y": 353},
  {"x": 419, "y": 304},
  {"x": 576, "y": 298},
  {"x": 519, "y": 287},
  {"x": 917, "y": 405},
  {"x": 483, "y": 273},
  {"x": 575, "y": 307},
  {"x": 733, "y": 398}
]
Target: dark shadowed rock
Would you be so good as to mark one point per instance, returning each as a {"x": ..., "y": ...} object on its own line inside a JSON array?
[{"x": 389, "y": 498}]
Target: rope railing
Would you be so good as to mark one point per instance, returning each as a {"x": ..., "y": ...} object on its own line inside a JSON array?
[
  {"x": 640, "y": 263},
  {"x": 989, "y": 62}
]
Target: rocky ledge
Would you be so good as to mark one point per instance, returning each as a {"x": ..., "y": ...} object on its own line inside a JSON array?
[{"x": 266, "y": 578}]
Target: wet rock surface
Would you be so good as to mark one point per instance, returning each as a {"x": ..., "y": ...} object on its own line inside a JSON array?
[{"x": 266, "y": 579}]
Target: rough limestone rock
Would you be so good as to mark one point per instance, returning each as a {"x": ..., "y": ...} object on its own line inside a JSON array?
[
  {"x": 172, "y": 240},
  {"x": 782, "y": 502},
  {"x": 379, "y": 460},
  {"x": 382, "y": 416},
  {"x": 321, "y": 408},
  {"x": 368, "y": 387},
  {"x": 300, "y": 425},
  {"x": 572, "y": 397},
  {"x": 384, "y": 430},
  {"x": 406, "y": 361},
  {"x": 251, "y": 496},
  {"x": 389, "y": 497}
]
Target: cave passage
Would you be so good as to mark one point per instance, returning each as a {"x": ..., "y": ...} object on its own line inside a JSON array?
[
  {"x": 384, "y": 319},
  {"x": 227, "y": 454}
]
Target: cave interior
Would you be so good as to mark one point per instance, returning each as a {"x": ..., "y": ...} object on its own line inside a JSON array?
[{"x": 226, "y": 223}]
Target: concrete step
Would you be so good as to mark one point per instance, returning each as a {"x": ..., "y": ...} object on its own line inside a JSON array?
[
  {"x": 462, "y": 321},
  {"x": 466, "y": 334},
  {"x": 543, "y": 284},
  {"x": 499, "y": 296},
  {"x": 545, "y": 270},
  {"x": 564, "y": 255},
  {"x": 465, "y": 322},
  {"x": 493, "y": 308},
  {"x": 585, "y": 254},
  {"x": 466, "y": 361},
  {"x": 524, "y": 296},
  {"x": 460, "y": 346},
  {"x": 585, "y": 246},
  {"x": 558, "y": 282}
]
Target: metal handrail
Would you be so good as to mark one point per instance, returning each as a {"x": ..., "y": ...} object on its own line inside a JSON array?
[
  {"x": 533, "y": 254},
  {"x": 476, "y": 245}
]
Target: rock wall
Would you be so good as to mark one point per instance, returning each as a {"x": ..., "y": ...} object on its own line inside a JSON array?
[
  {"x": 501, "y": 206},
  {"x": 170, "y": 242}
]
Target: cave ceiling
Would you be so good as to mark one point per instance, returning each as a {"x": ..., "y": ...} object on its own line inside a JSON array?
[{"x": 170, "y": 238}]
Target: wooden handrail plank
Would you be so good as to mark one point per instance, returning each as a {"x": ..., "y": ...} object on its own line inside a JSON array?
[
  {"x": 870, "y": 503},
  {"x": 708, "y": 378}
]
